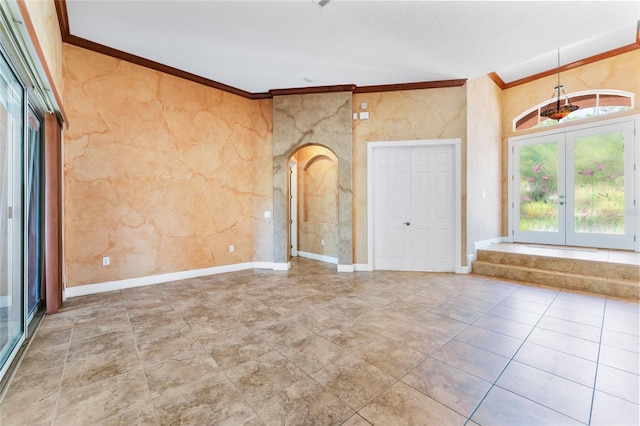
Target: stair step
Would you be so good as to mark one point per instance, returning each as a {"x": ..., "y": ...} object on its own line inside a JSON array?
[
  {"x": 590, "y": 268},
  {"x": 549, "y": 272}
]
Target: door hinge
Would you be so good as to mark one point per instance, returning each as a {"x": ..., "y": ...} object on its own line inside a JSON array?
[
  {"x": 291, "y": 221},
  {"x": 513, "y": 233},
  {"x": 290, "y": 246},
  {"x": 513, "y": 205},
  {"x": 10, "y": 213},
  {"x": 291, "y": 197}
]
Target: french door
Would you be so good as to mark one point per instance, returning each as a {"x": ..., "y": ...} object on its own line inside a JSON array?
[
  {"x": 413, "y": 209},
  {"x": 575, "y": 188}
]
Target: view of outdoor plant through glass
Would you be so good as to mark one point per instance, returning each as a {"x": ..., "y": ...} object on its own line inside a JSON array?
[
  {"x": 539, "y": 187},
  {"x": 599, "y": 183}
]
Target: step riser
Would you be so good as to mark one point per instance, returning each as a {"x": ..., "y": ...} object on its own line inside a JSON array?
[
  {"x": 602, "y": 270},
  {"x": 610, "y": 287}
]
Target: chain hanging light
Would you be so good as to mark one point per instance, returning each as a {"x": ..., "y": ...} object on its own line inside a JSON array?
[{"x": 557, "y": 111}]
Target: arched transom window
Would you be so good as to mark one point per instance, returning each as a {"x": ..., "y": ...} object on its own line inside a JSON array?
[{"x": 592, "y": 103}]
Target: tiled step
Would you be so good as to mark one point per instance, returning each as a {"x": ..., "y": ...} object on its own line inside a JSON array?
[{"x": 613, "y": 279}]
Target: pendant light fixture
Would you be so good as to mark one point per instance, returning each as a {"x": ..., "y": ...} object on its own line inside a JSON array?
[{"x": 557, "y": 111}]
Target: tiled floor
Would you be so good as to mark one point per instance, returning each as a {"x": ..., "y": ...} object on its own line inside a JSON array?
[{"x": 314, "y": 347}]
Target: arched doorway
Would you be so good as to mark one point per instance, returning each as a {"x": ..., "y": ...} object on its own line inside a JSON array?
[{"x": 313, "y": 211}]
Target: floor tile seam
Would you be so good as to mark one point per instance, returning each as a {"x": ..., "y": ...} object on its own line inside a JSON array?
[
  {"x": 449, "y": 365},
  {"x": 542, "y": 405},
  {"x": 485, "y": 349},
  {"x": 510, "y": 360}
]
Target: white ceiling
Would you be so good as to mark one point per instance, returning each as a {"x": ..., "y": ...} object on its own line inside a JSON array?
[{"x": 261, "y": 45}]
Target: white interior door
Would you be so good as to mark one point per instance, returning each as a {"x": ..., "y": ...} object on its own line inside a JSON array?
[{"x": 414, "y": 208}]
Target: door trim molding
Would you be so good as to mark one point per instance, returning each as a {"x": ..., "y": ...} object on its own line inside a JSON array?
[{"x": 458, "y": 268}]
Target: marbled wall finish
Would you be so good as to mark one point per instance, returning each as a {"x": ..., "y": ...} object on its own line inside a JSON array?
[
  {"x": 484, "y": 159},
  {"x": 159, "y": 172},
  {"x": 321, "y": 119},
  {"x": 317, "y": 200},
  {"x": 263, "y": 184},
  {"x": 45, "y": 22},
  {"x": 620, "y": 72},
  {"x": 399, "y": 116}
]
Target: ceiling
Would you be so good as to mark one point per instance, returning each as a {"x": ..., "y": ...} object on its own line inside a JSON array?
[{"x": 257, "y": 46}]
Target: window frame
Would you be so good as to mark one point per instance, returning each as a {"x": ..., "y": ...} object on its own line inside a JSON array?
[{"x": 597, "y": 93}]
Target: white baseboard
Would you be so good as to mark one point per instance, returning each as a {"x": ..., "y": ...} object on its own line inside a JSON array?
[
  {"x": 486, "y": 243},
  {"x": 282, "y": 266},
  {"x": 362, "y": 267},
  {"x": 83, "y": 290},
  {"x": 320, "y": 257},
  {"x": 345, "y": 268}
]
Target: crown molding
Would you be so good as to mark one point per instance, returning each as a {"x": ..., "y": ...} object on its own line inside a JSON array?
[{"x": 591, "y": 59}]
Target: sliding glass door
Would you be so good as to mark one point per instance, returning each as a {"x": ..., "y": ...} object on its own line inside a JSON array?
[
  {"x": 34, "y": 213},
  {"x": 575, "y": 188},
  {"x": 12, "y": 321}
]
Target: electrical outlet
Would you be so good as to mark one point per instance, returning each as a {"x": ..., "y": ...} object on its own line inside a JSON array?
[
  {"x": 106, "y": 261},
  {"x": 322, "y": 242},
  {"x": 231, "y": 248}
]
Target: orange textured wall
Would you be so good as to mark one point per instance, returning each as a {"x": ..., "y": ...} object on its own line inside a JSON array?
[
  {"x": 160, "y": 173},
  {"x": 45, "y": 22}
]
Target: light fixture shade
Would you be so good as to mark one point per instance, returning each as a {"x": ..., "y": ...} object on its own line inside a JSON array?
[{"x": 558, "y": 112}]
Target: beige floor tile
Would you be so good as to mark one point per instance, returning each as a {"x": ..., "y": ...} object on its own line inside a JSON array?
[
  {"x": 490, "y": 341},
  {"x": 401, "y": 404},
  {"x": 353, "y": 380},
  {"x": 554, "y": 392},
  {"x": 98, "y": 367},
  {"x": 585, "y": 318},
  {"x": 28, "y": 389},
  {"x": 559, "y": 363},
  {"x": 38, "y": 414},
  {"x": 283, "y": 333},
  {"x": 312, "y": 353},
  {"x": 231, "y": 349},
  {"x": 570, "y": 328},
  {"x": 122, "y": 399},
  {"x": 514, "y": 314},
  {"x": 483, "y": 364},
  {"x": 626, "y": 325},
  {"x": 504, "y": 408},
  {"x": 620, "y": 340},
  {"x": 239, "y": 349},
  {"x": 164, "y": 376},
  {"x": 610, "y": 410},
  {"x": 174, "y": 346},
  {"x": 390, "y": 356},
  {"x": 619, "y": 383},
  {"x": 267, "y": 373},
  {"x": 622, "y": 359},
  {"x": 564, "y": 343},
  {"x": 356, "y": 420},
  {"x": 304, "y": 402},
  {"x": 457, "y": 313},
  {"x": 504, "y": 326},
  {"x": 448, "y": 385},
  {"x": 524, "y": 305}
]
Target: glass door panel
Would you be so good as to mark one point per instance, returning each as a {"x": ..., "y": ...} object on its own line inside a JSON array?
[
  {"x": 600, "y": 163},
  {"x": 11, "y": 288},
  {"x": 539, "y": 190},
  {"x": 34, "y": 210},
  {"x": 576, "y": 188}
]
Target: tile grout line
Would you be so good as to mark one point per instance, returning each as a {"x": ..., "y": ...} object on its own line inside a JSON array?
[
  {"x": 64, "y": 368},
  {"x": 509, "y": 363},
  {"x": 595, "y": 376}
]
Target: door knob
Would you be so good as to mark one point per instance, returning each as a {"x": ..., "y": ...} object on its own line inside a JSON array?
[{"x": 407, "y": 223}]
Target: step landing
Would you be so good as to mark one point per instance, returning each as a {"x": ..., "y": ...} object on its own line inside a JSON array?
[{"x": 612, "y": 273}]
